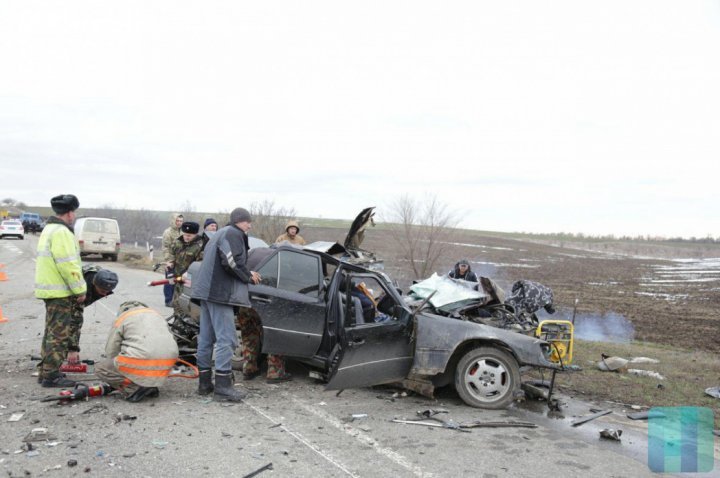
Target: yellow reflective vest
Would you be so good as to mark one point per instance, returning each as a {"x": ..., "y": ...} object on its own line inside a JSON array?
[{"x": 58, "y": 271}]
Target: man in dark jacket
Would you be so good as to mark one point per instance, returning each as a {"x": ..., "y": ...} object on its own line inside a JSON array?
[
  {"x": 463, "y": 271},
  {"x": 221, "y": 285}
]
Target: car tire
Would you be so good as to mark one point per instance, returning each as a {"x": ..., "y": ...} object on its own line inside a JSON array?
[{"x": 487, "y": 377}]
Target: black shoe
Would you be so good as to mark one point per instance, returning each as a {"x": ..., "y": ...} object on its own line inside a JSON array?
[
  {"x": 143, "y": 393},
  {"x": 251, "y": 375},
  {"x": 285, "y": 377},
  {"x": 57, "y": 380}
]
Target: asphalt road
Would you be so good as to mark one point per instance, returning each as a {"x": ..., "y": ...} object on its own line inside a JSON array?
[{"x": 300, "y": 428}]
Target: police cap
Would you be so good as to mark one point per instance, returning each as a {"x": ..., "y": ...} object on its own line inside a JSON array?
[
  {"x": 64, "y": 203},
  {"x": 190, "y": 227}
]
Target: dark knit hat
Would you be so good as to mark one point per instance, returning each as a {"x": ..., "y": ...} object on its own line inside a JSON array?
[
  {"x": 463, "y": 261},
  {"x": 209, "y": 221},
  {"x": 190, "y": 227},
  {"x": 64, "y": 203},
  {"x": 240, "y": 214}
]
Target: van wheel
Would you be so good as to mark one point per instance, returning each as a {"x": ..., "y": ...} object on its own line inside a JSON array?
[
  {"x": 114, "y": 257},
  {"x": 487, "y": 377}
]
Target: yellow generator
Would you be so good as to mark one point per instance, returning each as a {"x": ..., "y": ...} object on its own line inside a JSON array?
[{"x": 559, "y": 333}]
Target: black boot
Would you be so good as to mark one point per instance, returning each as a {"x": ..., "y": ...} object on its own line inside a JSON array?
[
  {"x": 205, "y": 387},
  {"x": 58, "y": 380},
  {"x": 143, "y": 393},
  {"x": 224, "y": 390}
]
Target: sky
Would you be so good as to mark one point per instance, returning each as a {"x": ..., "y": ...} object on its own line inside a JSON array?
[{"x": 520, "y": 116}]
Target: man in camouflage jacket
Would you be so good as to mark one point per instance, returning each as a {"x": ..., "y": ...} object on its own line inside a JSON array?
[{"x": 184, "y": 250}]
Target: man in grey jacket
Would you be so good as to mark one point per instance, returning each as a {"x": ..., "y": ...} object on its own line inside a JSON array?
[{"x": 221, "y": 286}]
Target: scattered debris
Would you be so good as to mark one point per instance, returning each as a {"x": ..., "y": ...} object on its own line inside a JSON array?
[
  {"x": 588, "y": 418},
  {"x": 124, "y": 416},
  {"x": 97, "y": 408},
  {"x": 646, "y": 373},
  {"x": 276, "y": 425},
  {"x": 72, "y": 463},
  {"x": 56, "y": 467},
  {"x": 645, "y": 415},
  {"x": 159, "y": 444},
  {"x": 38, "y": 434},
  {"x": 33, "y": 453},
  {"x": 227, "y": 435},
  {"x": 610, "y": 434},
  {"x": 53, "y": 443},
  {"x": 536, "y": 389},
  {"x": 712, "y": 391},
  {"x": 481, "y": 424},
  {"x": 612, "y": 364},
  {"x": 15, "y": 417},
  {"x": 129, "y": 455},
  {"x": 259, "y": 470},
  {"x": 356, "y": 416},
  {"x": 643, "y": 360}
]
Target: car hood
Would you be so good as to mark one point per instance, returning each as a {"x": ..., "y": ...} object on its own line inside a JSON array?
[{"x": 356, "y": 234}]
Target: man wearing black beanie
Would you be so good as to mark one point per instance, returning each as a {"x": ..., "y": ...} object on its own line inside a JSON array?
[{"x": 221, "y": 286}]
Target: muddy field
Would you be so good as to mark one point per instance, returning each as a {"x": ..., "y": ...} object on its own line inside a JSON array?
[{"x": 645, "y": 292}]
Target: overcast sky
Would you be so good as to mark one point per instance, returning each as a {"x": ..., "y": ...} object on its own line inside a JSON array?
[{"x": 596, "y": 117}]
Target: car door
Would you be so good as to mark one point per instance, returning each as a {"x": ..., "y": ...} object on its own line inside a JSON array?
[
  {"x": 376, "y": 352},
  {"x": 289, "y": 303}
]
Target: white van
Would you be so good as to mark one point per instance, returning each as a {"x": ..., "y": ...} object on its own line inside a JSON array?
[{"x": 98, "y": 235}]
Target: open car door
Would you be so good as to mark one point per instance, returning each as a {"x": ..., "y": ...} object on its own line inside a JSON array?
[
  {"x": 369, "y": 352},
  {"x": 289, "y": 302}
]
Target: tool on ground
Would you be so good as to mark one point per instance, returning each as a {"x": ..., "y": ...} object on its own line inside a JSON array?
[
  {"x": 84, "y": 366},
  {"x": 79, "y": 392}
]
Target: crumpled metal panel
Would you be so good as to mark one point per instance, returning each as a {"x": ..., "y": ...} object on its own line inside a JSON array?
[
  {"x": 449, "y": 291},
  {"x": 438, "y": 337}
]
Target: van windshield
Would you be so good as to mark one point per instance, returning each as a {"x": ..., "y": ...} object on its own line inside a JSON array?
[{"x": 103, "y": 227}]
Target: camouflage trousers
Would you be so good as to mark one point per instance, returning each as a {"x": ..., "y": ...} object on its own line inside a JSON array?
[
  {"x": 251, "y": 334},
  {"x": 63, "y": 321}
]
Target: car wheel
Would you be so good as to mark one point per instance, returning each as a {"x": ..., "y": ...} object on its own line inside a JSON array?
[{"x": 487, "y": 377}]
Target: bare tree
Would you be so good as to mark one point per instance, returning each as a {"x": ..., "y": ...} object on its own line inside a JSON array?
[
  {"x": 424, "y": 230},
  {"x": 269, "y": 220}
]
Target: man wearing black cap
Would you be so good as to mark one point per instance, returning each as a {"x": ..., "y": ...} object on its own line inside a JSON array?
[
  {"x": 60, "y": 283},
  {"x": 184, "y": 250},
  {"x": 221, "y": 286},
  {"x": 209, "y": 228}
]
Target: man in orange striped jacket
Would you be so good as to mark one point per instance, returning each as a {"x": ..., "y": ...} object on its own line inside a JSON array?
[{"x": 141, "y": 352}]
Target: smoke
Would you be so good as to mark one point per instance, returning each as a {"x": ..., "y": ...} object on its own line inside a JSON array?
[{"x": 610, "y": 327}]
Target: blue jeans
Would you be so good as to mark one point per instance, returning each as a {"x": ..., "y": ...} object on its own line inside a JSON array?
[{"x": 217, "y": 328}]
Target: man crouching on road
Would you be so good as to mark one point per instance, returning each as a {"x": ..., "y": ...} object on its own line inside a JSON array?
[
  {"x": 141, "y": 352},
  {"x": 221, "y": 286}
]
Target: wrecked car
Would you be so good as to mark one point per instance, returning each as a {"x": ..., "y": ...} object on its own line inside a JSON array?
[
  {"x": 485, "y": 303},
  {"x": 312, "y": 312}
]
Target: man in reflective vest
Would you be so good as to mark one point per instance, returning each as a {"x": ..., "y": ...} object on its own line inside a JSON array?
[
  {"x": 60, "y": 283},
  {"x": 141, "y": 352}
]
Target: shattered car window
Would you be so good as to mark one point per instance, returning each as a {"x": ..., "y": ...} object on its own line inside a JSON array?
[
  {"x": 299, "y": 273},
  {"x": 269, "y": 272}
]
